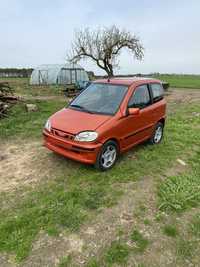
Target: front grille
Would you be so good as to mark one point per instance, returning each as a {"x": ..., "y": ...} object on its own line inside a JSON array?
[{"x": 62, "y": 134}]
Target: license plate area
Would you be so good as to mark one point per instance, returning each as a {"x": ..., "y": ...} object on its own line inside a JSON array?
[{"x": 60, "y": 144}]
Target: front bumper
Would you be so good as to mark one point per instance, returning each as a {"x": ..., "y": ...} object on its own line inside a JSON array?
[{"x": 83, "y": 152}]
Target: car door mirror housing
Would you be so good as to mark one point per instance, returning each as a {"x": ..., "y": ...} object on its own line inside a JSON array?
[{"x": 133, "y": 111}]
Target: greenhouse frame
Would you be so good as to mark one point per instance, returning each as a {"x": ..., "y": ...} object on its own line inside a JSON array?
[{"x": 58, "y": 74}]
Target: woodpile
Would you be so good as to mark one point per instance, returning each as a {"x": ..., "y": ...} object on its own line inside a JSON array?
[{"x": 7, "y": 99}]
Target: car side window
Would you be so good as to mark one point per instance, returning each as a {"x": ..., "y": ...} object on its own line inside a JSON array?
[
  {"x": 157, "y": 91},
  {"x": 140, "y": 98}
]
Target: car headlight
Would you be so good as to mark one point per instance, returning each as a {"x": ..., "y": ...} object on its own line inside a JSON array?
[
  {"x": 87, "y": 136},
  {"x": 48, "y": 125}
]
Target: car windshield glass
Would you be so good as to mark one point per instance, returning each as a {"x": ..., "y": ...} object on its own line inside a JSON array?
[{"x": 100, "y": 98}]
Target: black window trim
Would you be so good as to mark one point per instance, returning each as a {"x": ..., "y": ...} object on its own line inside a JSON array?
[{"x": 150, "y": 95}]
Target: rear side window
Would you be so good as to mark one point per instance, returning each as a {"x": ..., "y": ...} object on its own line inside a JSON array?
[
  {"x": 157, "y": 91},
  {"x": 140, "y": 97}
]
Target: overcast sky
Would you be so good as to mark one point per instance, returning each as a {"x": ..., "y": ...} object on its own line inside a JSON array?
[{"x": 40, "y": 31}]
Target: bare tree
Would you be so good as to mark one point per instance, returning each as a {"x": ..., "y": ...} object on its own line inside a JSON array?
[{"x": 103, "y": 46}]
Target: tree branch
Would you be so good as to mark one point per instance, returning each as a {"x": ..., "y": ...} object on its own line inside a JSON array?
[{"x": 103, "y": 46}]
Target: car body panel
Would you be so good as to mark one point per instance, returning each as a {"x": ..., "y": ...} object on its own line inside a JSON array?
[
  {"x": 85, "y": 152},
  {"x": 75, "y": 121}
]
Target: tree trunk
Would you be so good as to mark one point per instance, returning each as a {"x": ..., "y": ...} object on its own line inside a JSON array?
[{"x": 109, "y": 71}]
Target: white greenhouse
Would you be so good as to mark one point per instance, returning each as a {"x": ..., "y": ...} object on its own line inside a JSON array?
[{"x": 58, "y": 74}]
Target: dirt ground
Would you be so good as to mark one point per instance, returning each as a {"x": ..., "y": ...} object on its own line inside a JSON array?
[
  {"x": 17, "y": 166},
  {"x": 21, "y": 164}
]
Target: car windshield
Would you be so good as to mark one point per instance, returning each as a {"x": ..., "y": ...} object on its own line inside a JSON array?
[{"x": 100, "y": 98}]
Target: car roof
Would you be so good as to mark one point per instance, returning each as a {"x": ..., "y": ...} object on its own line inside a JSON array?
[{"x": 127, "y": 80}]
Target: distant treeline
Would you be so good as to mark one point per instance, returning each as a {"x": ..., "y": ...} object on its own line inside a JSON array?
[{"x": 15, "y": 72}]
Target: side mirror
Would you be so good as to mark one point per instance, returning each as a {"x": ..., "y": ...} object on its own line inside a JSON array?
[{"x": 133, "y": 111}]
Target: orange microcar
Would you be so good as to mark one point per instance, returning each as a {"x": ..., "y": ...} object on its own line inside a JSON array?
[{"x": 106, "y": 119}]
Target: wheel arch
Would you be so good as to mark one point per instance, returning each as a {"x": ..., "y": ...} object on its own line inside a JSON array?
[
  {"x": 114, "y": 139},
  {"x": 162, "y": 121}
]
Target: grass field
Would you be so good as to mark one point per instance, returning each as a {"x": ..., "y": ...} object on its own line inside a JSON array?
[
  {"x": 23, "y": 88},
  {"x": 181, "y": 81},
  {"x": 145, "y": 211}
]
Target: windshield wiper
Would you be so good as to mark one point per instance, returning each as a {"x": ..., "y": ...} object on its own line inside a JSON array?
[{"x": 81, "y": 107}]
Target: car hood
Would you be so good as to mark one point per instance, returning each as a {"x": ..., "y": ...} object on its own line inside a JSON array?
[{"x": 74, "y": 121}]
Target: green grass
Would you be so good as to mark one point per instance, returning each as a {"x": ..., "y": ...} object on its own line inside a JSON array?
[
  {"x": 28, "y": 124},
  {"x": 187, "y": 242},
  {"x": 181, "y": 81},
  {"x": 170, "y": 230},
  {"x": 76, "y": 191},
  {"x": 93, "y": 263},
  {"x": 178, "y": 193},
  {"x": 195, "y": 225},
  {"x": 147, "y": 222},
  {"x": 21, "y": 87},
  {"x": 185, "y": 248},
  {"x": 65, "y": 261},
  {"x": 140, "y": 241},
  {"x": 117, "y": 253},
  {"x": 51, "y": 209}
]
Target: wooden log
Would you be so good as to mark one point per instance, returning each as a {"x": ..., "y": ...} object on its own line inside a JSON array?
[
  {"x": 5, "y": 89},
  {"x": 8, "y": 98}
]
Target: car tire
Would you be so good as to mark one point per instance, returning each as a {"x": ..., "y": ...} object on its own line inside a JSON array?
[
  {"x": 157, "y": 135},
  {"x": 107, "y": 156}
]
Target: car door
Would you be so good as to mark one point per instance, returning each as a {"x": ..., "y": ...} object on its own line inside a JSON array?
[
  {"x": 137, "y": 128},
  {"x": 159, "y": 104}
]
